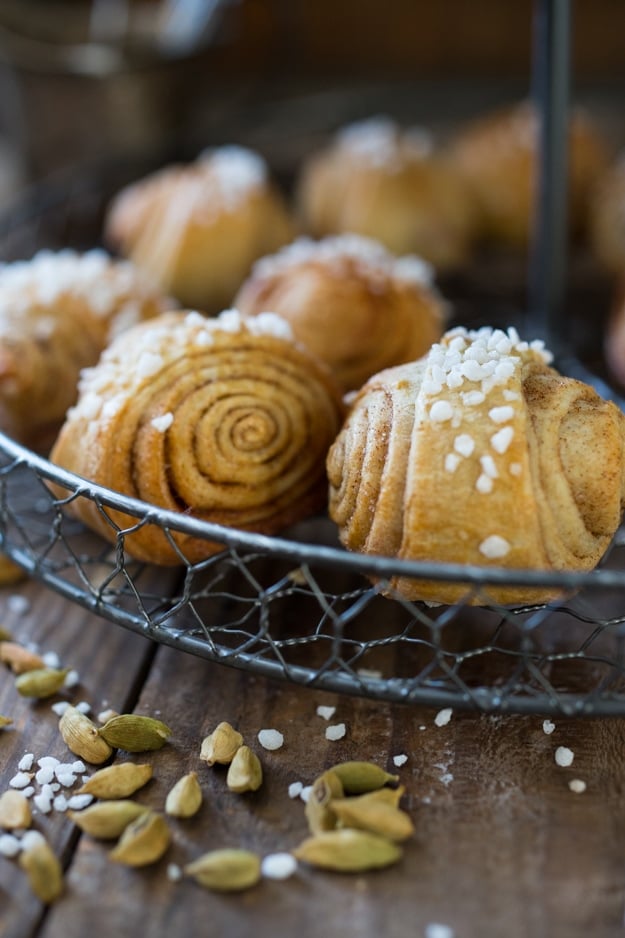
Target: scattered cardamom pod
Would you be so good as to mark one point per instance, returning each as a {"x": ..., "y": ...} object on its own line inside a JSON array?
[
  {"x": 348, "y": 851},
  {"x": 81, "y": 737},
  {"x": 221, "y": 745},
  {"x": 319, "y": 816},
  {"x": 107, "y": 820},
  {"x": 14, "y": 810},
  {"x": 135, "y": 733},
  {"x": 144, "y": 841},
  {"x": 41, "y": 682},
  {"x": 117, "y": 781},
  {"x": 388, "y": 796},
  {"x": 374, "y": 816},
  {"x": 360, "y": 777},
  {"x": 44, "y": 871},
  {"x": 245, "y": 772},
  {"x": 5, "y": 721},
  {"x": 5, "y": 635},
  {"x": 185, "y": 798},
  {"x": 225, "y": 870},
  {"x": 20, "y": 659}
]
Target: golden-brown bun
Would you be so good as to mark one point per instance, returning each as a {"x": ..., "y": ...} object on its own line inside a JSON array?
[
  {"x": 497, "y": 155},
  {"x": 225, "y": 420},
  {"x": 57, "y": 313},
  {"x": 354, "y": 304},
  {"x": 479, "y": 453},
  {"x": 383, "y": 182},
  {"x": 607, "y": 219},
  {"x": 197, "y": 228}
]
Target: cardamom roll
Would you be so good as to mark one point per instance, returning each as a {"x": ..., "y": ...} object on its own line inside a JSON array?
[
  {"x": 352, "y": 302},
  {"x": 482, "y": 454},
  {"x": 58, "y": 311},
  {"x": 226, "y": 420},
  {"x": 198, "y": 227},
  {"x": 392, "y": 183}
]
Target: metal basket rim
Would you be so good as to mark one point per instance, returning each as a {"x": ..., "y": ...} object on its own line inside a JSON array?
[{"x": 302, "y": 552}]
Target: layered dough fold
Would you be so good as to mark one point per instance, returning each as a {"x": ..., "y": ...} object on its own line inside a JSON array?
[
  {"x": 226, "y": 420},
  {"x": 482, "y": 454}
]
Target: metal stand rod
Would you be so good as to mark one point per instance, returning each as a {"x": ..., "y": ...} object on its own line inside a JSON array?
[{"x": 550, "y": 78}]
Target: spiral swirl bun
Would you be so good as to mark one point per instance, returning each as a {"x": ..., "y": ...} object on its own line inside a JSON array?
[
  {"x": 226, "y": 420},
  {"x": 481, "y": 454}
]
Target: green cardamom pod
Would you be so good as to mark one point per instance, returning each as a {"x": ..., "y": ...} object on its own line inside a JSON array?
[
  {"x": 348, "y": 851},
  {"x": 143, "y": 841},
  {"x": 225, "y": 870},
  {"x": 107, "y": 820},
  {"x": 134, "y": 733},
  {"x": 41, "y": 682},
  {"x": 245, "y": 772},
  {"x": 324, "y": 789},
  {"x": 185, "y": 798},
  {"x": 221, "y": 745},
  {"x": 44, "y": 871},
  {"x": 373, "y": 815},
  {"x": 117, "y": 781},
  {"x": 359, "y": 777}
]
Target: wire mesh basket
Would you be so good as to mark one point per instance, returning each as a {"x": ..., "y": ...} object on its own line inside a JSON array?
[{"x": 298, "y": 607}]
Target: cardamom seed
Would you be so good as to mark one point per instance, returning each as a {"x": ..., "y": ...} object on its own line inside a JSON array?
[
  {"x": 245, "y": 772},
  {"x": 44, "y": 871},
  {"x": 185, "y": 798},
  {"x": 143, "y": 841},
  {"x": 5, "y": 721},
  {"x": 14, "y": 811},
  {"x": 107, "y": 820},
  {"x": 221, "y": 745},
  {"x": 225, "y": 870},
  {"x": 359, "y": 777},
  {"x": 20, "y": 659},
  {"x": 135, "y": 733},
  {"x": 81, "y": 737},
  {"x": 373, "y": 815},
  {"x": 324, "y": 789},
  {"x": 40, "y": 682},
  {"x": 117, "y": 781},
  {"x": 348, "y": 851}
]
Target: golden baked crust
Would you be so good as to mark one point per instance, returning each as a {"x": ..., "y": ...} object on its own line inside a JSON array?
[
  {"x": 57, "y": 313},
  {"x": 497, "y": 155},
  {"x": 350, "y": 301},
  {"x": 378, "y": 180},
  {"x": 198, "y": 227},
  {"x": 225, "y": 420},
  {"x": 479, "y": 453}
]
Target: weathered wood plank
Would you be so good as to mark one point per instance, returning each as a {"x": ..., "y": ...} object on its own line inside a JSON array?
[
  {"x": 110, "y": 662},
  {"x": 502, "y": 844}
]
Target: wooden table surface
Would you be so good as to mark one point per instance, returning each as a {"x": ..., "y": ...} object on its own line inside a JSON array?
[{"x": 502, "y": 845}]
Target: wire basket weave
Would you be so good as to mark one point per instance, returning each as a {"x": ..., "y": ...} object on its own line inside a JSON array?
[{"x": 298, "y": 607}]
